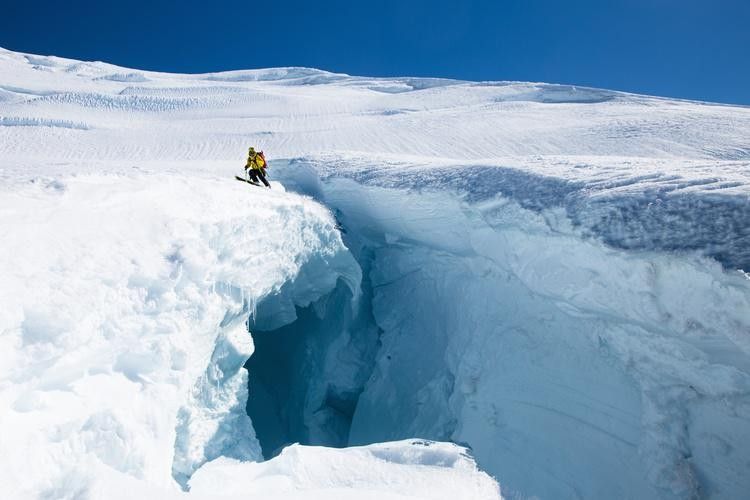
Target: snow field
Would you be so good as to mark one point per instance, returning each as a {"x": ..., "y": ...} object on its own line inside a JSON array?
[
  {"x": 546, "y": 273},
  {"x": 299, "y": 112}
]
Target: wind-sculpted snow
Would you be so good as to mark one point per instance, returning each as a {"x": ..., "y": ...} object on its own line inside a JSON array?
[
  {"x": 20, "y": 91},
  {"x": 7, "y": 96},
  {"x": 17, "y": 121},
  {"x": 126, "y": 77},
  {"x": 118, "y": 102},
  {"x": 183, "y": 91},
  {"x": 551, "y": 94},
  {"x": 530, "y": 126},
  {"x": 291, "y": 76},
  {"x": 646, "y": 212}
]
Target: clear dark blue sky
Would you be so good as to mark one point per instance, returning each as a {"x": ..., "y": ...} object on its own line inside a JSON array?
[{"x": 696, "y": 49}]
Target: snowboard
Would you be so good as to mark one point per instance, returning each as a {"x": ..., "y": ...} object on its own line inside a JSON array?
[{"x": 246, "y": 180}]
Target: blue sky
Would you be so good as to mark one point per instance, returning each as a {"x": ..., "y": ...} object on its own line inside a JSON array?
[{"x": 698, "y": 49}]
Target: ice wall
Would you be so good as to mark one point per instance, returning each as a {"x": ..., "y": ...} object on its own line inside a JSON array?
[
  {"x": 572, "y": 368},
  {"x": 306, "y": 377}
]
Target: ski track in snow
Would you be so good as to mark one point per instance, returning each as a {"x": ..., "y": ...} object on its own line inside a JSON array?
[{"x": 601, "y": 350}]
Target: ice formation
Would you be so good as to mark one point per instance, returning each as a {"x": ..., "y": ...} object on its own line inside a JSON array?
[
  {"x": 123, "y": 319},
  {"x": 548, "y": 275},
  {"x": 610, "y": 372}
]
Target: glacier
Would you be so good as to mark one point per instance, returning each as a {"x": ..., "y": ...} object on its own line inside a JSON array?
[
  {"x": 522, "y": 335},
  {"x": 452, "y": 284}
]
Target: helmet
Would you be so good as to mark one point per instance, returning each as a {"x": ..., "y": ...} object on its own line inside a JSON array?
[{"x": 252, "y": 150}]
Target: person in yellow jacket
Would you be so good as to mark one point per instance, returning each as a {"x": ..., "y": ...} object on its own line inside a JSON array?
[{"x": 255, "y": 168}]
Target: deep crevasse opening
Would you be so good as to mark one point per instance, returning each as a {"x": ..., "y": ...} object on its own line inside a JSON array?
[
  {"x": 306, "y": 376},
  {"x": 213, "y": 422},
  {"x": 142, "y": 381},
  {"x": 571, "y": 368}
]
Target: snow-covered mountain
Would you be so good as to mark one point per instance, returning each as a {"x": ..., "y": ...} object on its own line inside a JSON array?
[{"x": 548, "y": 275}]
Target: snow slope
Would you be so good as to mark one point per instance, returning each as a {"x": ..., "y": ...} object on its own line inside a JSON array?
[{"x": 548, "y": 274}]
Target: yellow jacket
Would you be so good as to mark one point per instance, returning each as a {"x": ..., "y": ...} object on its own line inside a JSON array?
[{"x": 256, "y": 161}]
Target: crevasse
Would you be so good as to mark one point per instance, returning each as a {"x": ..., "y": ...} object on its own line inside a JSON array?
[
  {"x": 571, "y": 367},
  {"x": 213, "y": 421},
  {"x": 122, "y": 328}
]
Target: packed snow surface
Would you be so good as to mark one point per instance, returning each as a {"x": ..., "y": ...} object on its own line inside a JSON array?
[
  {"x": 551, "y": 275},
  {"x": 399, "y": 470},
  {"x": 404, "y": 470}
]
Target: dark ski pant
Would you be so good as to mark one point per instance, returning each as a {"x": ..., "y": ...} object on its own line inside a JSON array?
[{"x": 258, "y": 174}]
